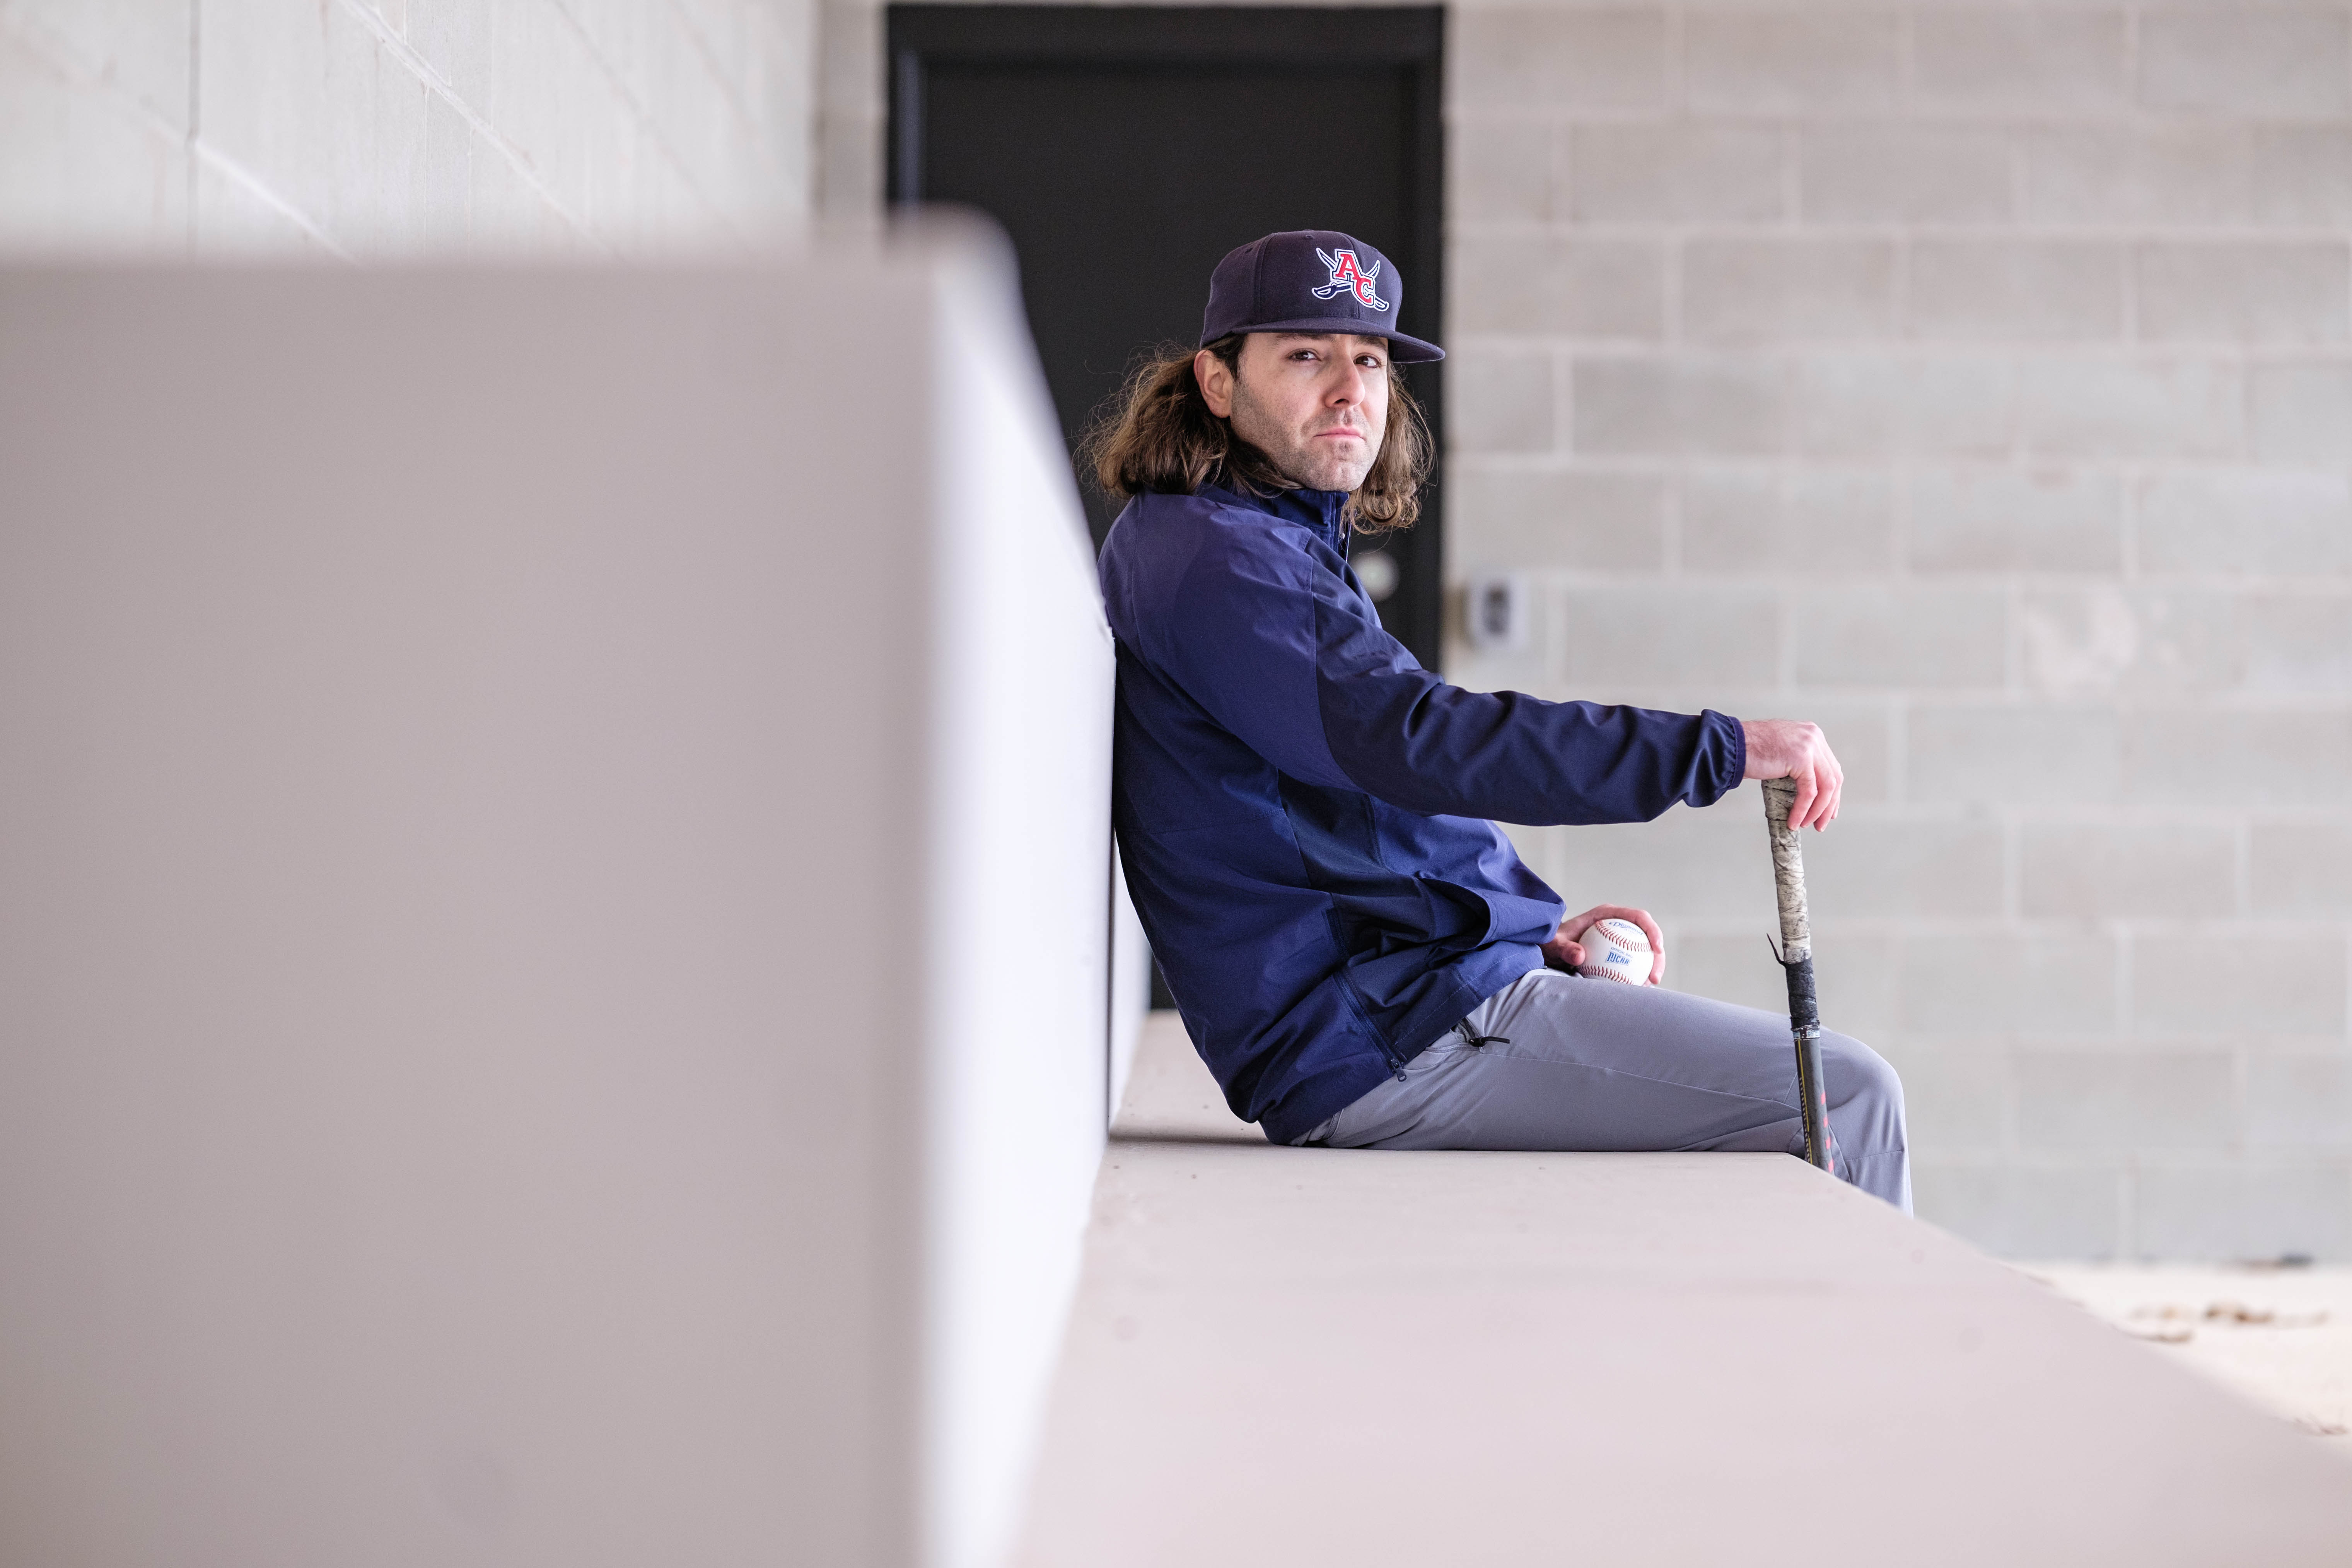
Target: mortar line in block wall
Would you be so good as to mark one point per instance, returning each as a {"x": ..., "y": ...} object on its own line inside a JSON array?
[
  {"x": 1676, "y": 86},
  {"x": 1670, "y": 308},
  {"x": 1792, "y": 180},
  {"x": 1560, "y": 176},
  {"x": 2126, "y": 956},
  {"x": 2012, "y": 641},
  {"x": 1898, "y": 744},
  {"x": 2010, "y": 1136},
  {"x": 2242, "y": 865},
  {"x": 1899, "y": 280},
  {"x": 1563, "y": 395},
  {"x": 2128, "y": 477},
  {"x": 1672, "y": 527},
  {"x": 2012, "y": 867},
  {"x": 2131, "y": 293},
  {"x": 1900, "y": 474},
  {"x": 1906, "y": 62},
  {"x": 2240, "y": 1140},
  {"x": 1784, "y": 645},
  {"x": 2132, "y": 109}
]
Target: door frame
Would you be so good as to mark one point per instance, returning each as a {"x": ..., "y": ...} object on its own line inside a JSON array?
[{"x": 920, "y": 37}]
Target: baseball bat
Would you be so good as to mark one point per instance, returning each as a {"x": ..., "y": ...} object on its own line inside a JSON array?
[{"x": 1796, "y": 956}]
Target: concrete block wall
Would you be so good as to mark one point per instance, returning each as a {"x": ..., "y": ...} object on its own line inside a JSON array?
[
  {"x": 1977, "y": 380},
  {"x": 362, "y": 128}
]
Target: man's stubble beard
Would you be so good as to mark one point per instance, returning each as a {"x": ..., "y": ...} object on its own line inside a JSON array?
[{"x": 1299, "y": 463}]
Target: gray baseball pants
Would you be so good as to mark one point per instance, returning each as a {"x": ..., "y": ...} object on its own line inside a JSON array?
[{"x": 1553, "y": 1061}]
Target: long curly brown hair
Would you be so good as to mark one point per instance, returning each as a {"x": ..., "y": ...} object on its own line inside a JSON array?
[{"x": 1161, "y": 436}]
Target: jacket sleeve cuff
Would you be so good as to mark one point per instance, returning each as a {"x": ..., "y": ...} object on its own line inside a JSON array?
[{"x": 1729, "y": 744}]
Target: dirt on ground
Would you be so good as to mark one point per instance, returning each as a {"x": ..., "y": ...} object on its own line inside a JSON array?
[{"x": 2277, "y": 1334}]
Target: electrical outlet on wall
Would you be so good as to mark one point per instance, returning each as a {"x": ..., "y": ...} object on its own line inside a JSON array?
[{"x": 1497, "y": 612}]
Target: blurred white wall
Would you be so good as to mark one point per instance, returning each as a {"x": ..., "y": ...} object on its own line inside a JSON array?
[
  {"x": 552, "y": 935},
  {"x": 371, "y": 128}
]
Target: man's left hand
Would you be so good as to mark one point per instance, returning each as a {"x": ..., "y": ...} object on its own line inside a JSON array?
[{"x": 1564, "y": 952}]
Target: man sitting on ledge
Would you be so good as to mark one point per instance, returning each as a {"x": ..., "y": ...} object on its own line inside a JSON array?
[{"x": 1302, "y": 809}]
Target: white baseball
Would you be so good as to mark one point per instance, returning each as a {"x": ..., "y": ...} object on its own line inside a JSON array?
[{"x": 1615, "y": 950}]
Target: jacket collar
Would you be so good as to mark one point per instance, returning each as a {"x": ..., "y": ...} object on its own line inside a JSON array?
[{"x": 1318, "y": 511}]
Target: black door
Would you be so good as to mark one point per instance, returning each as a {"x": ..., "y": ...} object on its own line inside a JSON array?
[{"x": 1127, "y": 149}]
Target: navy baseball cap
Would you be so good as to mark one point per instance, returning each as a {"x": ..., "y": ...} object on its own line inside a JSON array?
[{"x": 1310, "y": 281}]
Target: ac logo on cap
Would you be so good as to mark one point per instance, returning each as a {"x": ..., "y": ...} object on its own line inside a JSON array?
[{"x": 1349, "y": 277}]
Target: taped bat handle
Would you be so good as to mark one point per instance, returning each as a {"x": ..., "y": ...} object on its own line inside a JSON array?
[{"x": 1796, "y": 955}]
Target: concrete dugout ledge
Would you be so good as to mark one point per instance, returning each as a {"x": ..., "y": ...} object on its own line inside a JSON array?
[{"x": 1282, "y": 1355}]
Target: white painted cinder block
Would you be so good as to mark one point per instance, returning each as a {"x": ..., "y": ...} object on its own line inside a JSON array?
[
  {"x": 1594, "y": 288},
  {"x": 1865, "y": 171},
  {"x": 2048, "y": 984},
  {"x": 1926, "y": 638},
  {"x": 2300, "y": 869},
  {"x": 2177, "y": 870},
  {"x": 1679, "y": 404},
  {"x": 1501, "y": 400},
  {"x": 1566, "y": 519},
  {"x": 558, "y": 1004},
  {"x": 2110, "y": 406},
  {"x": 2016, "y": 754},
  {"x": 2274, "y": 982},
  {"x": 2303, "y": 175},
  {"x": 2020, "y": 62},
  {"x": 2240, "y": 523},
  {"x": 2239, "y": 758},
  {"x": 2189, "y": 172},
  {"x": 1655, "y": 172},
  {"x": 2225, "y": 292},
  {"x": 2173, "y": 1101},
  {"x": 1603, "y": 60},
  {"x": 2058, "y": 290},
  {"x": 1817, "y": 289},
  {"x": 2301, "y": 413},
  {"x": 1791, "y": 61},
  {"x": 2284, "y": 64},
  {"x": 2015, "y": 519},
  {"x": 1853, "y": 405},
  {"x": 1499, "y": 170},
  {"x": 1811, "y": 525}
]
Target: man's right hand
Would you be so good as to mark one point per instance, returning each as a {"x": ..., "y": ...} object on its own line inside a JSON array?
[{"x": 1793, "y": 749}]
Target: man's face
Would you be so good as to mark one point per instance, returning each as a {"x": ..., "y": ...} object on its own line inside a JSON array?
[{"x": 1316, "y": 403}]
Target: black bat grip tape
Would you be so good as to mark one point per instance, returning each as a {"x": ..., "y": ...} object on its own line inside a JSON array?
[
  {"x": 1804, "y": 1010},
  {"x": 1805, "y": 1023}
]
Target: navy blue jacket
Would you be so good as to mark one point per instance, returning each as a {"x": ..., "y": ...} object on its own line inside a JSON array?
[{"x": 1301, "y": 807}]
